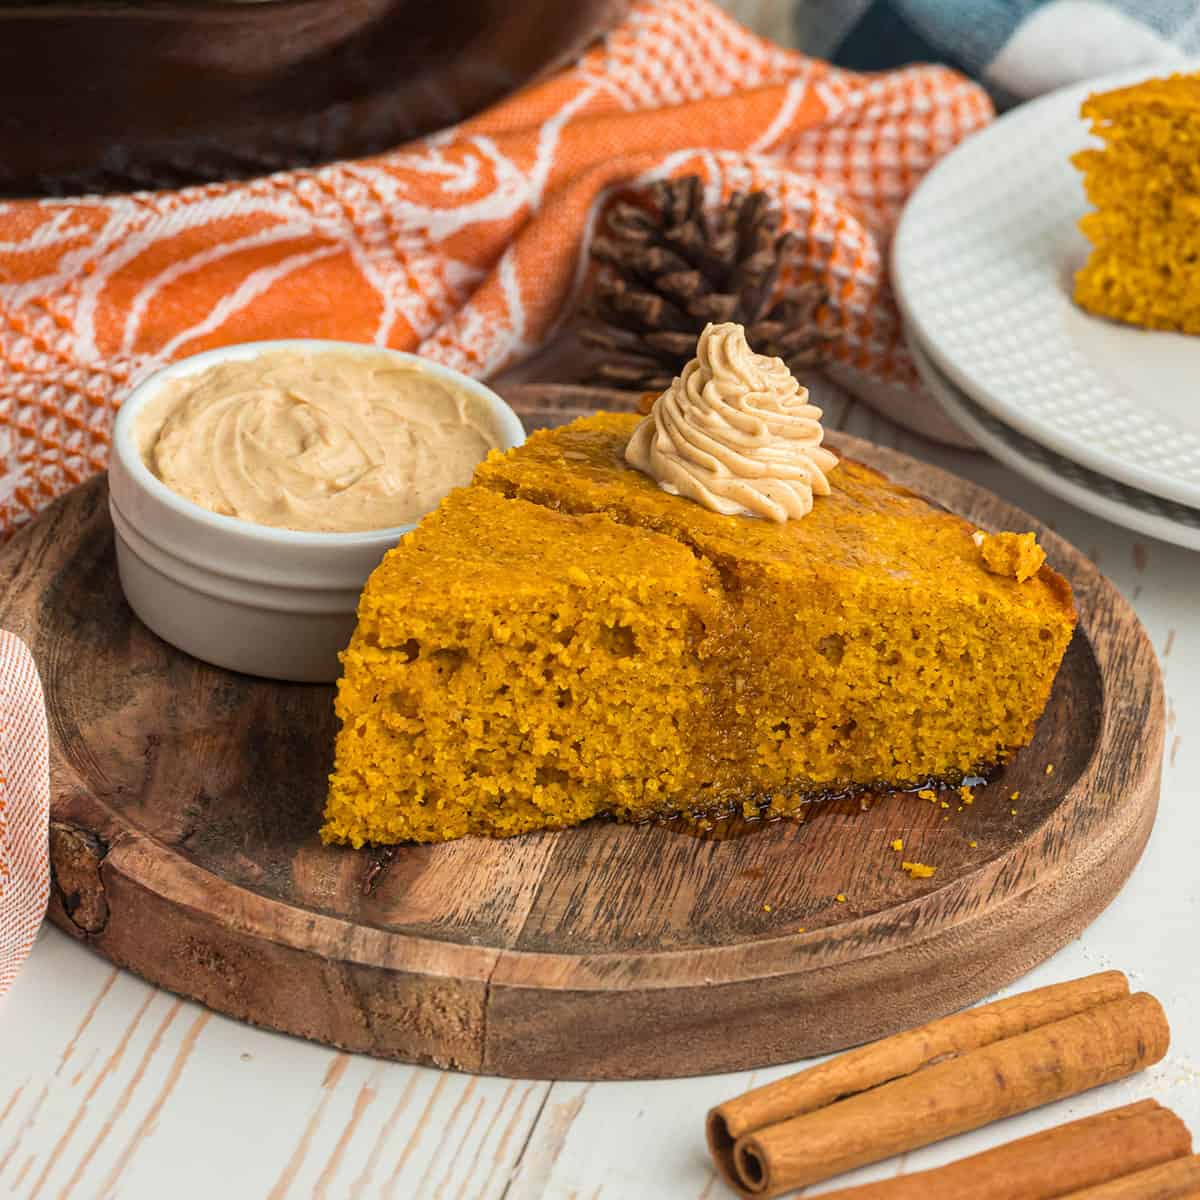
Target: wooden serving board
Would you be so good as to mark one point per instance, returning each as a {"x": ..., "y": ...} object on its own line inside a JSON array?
[{"x": 186, "y": 802}]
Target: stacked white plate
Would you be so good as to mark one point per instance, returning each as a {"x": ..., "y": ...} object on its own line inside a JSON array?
[{"x": 1104, "y": 415}]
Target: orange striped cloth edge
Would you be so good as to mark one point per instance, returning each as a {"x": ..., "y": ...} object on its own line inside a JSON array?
[
  {"x": 469, "y": 246},
  {"x": 24, "y": 806}
]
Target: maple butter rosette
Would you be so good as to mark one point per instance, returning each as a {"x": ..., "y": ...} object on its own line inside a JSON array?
[{"x": 735, "y": 432}]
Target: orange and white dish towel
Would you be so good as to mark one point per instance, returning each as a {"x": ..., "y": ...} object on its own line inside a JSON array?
[
  {"x": 468, "y": 246},
  {"x": 24, "y": 806}
]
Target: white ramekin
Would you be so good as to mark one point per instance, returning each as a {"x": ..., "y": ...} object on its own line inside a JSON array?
[{"x": 273, "y": 602}]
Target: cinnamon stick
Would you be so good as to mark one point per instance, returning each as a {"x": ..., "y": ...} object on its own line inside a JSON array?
[
  {"x": 1052, "y": 1163},
  {"x": 1177, "y": 1180},
  {"x": 894, "y": 1057},
  {"x": 997, "y": 1080}
]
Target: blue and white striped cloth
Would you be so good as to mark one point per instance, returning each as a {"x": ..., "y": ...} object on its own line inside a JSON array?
[{"x": 1015, "y": 48}]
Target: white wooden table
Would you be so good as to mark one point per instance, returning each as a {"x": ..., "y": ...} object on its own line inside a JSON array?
[{"x": 109, "y": 1087}]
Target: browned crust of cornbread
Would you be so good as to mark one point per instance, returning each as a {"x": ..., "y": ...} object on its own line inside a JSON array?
[
  {"x": 581, "y": 468},
  {"x": 709, "y": 661},
  {"x": 1179, "y": 92}
]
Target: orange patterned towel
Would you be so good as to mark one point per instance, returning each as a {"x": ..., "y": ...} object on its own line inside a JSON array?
[{"x": 467, "y": 246}]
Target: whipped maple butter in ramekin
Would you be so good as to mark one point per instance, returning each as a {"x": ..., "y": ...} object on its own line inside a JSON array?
[{"x": 329, "y": 442}]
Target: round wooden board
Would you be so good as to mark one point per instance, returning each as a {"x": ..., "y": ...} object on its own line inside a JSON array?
[{"x": 186, "y": 801}]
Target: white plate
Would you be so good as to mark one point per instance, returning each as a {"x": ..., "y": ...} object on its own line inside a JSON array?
[
  {"x": 982, "y": 265},
  {"x": 1103, "y": 497}
]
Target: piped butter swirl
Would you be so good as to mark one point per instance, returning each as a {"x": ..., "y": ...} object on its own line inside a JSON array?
[{"x": 735, "y": 433}]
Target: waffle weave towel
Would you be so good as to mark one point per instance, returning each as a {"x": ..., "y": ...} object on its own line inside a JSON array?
[{"x": 467, "y": 246}]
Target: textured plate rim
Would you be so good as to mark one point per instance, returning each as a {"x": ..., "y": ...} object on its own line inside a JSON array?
[
  {"x": 1067, "y": 444},
  {"x": 1064, "y": 488}
]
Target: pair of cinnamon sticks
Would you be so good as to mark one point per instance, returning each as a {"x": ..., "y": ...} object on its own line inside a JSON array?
[{"x": 961, "y": 1073}]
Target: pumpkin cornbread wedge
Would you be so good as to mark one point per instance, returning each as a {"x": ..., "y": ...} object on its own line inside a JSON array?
[
  {"x": 1144, "y": 182},
  {"x": 564, "y": 639},
  {"x": 515, "y": 669}
]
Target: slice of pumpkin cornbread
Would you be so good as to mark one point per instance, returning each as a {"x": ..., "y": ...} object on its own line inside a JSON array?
[
  {"x": 1145, "y": 185},
  {"x": 513, "y": 669},
  {"x": 564, "y": 638}
]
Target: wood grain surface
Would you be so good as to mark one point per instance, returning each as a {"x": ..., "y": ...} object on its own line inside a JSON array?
[{"x": 186, "y": 800}]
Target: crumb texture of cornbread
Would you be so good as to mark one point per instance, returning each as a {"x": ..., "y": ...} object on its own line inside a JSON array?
[
  {"x": 1144, "y": 184},
  {"x": 564, "y": 639},
  {"x": 514, "y": 668},
  {"x": 1015, "y": 554}
]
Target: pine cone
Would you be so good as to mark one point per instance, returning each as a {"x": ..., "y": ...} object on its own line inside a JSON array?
[{"x": 664, "y": 274}]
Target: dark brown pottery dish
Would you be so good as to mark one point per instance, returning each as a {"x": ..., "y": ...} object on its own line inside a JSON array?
[{"x": 116, "y": 96}]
